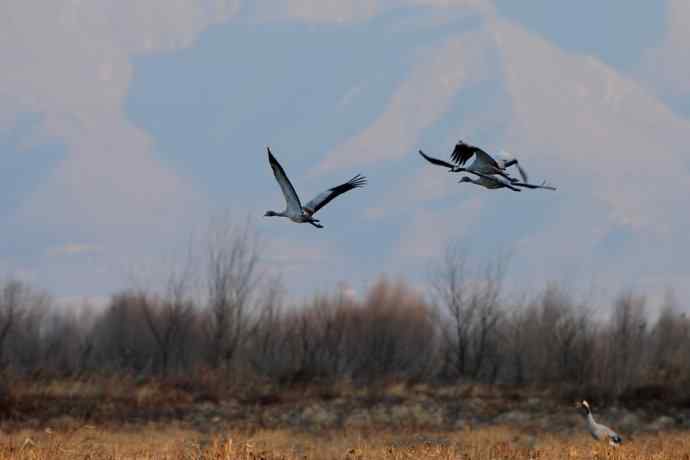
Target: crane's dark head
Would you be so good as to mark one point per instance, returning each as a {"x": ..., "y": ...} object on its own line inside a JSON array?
[
  {"x": 270, "y": 214},
  {"x": 464, "y": 179},
  {"x": 584, "y": 405}
]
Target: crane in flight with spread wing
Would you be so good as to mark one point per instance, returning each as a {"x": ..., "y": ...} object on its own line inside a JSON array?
[{"x": 294, "y": 210}]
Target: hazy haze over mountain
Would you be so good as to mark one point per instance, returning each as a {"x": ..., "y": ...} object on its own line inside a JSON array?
[{"x": 125, "y": 126}]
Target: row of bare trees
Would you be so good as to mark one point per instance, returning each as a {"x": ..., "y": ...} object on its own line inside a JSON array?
[{"x": 235, "y": 320}]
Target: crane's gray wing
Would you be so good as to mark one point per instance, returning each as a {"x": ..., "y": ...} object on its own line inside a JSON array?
[
  {"x": 510, "y": 160},
  {"x": 543, "y": 185},
  {"x": 616, "y": 439},
  {"x": 463, "y": 152},
  {"x": 486, "y": 158},
  {"x": 602, "y": 432},
  {"x": 523, "y": 173},
  {"x": 497, "y": 181},
  {"x": 291, "y": 198},
  {"x": 326, "y": 197},
  {"x": 436, "y": 161}
]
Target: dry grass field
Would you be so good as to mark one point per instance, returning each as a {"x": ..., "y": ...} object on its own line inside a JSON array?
[
  {"x": 170, "y": 442},
  {"x": 119, "y": 418}
]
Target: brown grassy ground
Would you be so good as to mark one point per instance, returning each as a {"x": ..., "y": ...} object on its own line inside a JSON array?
[
  {"x": 128, "y": 418},
  {"x": 170, "y": 442}
]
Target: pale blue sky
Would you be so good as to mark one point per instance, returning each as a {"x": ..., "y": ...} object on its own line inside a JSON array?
[
  {"x": 615, "y": 31},
  {"x": 124, "y": 128}
]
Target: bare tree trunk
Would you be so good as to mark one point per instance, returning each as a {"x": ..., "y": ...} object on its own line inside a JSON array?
[
  {"x": 19, "y": 305},
  {"x": 232, "y": 279},
  {"x": 449, "y": 284},
  {"x": 169, "y": 319},
  {"x": 486, "y": 301},
  {"x": 269, "y": 336},
  {"x": 627, "y": 338},
  {"x": 472, "y": 307},
  {"x": 10, "y": 309}
]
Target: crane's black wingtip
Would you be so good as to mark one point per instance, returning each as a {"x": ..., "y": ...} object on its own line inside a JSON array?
[
  {"x": 271, "y": 159},
  {"x": 358, "y": 181}
]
